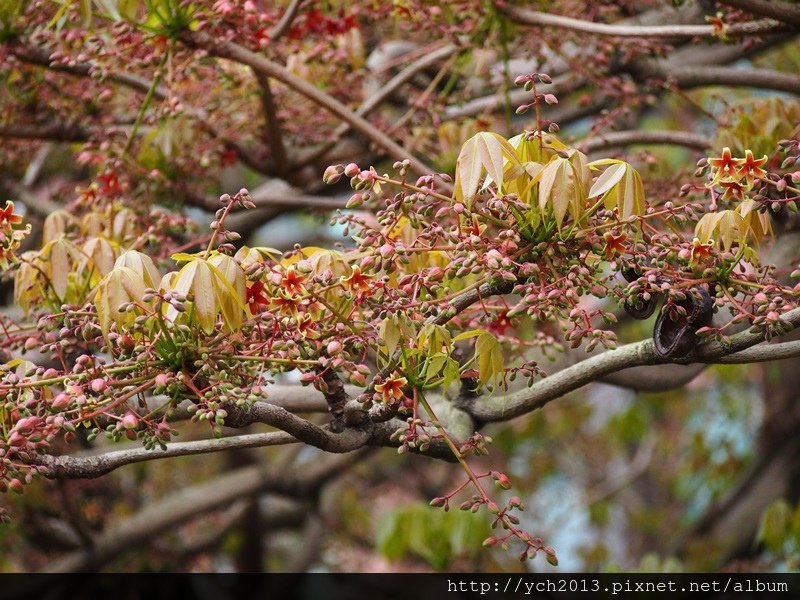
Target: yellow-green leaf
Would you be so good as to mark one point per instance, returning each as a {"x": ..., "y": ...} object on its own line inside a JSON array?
[
  {"x": 484, "y": 152},
  {"x": 121, "y": 286},
  {"x": 490, "y": 358},
  {"x": 141, "y": 264},
  {"x": 560, "y": 188}
]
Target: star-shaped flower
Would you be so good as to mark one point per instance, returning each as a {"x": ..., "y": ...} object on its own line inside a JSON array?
[
  {"x": 750, "y": 167},
  {"x": 391, "y": 390},
  {"x": 725, "y": 166},
  {"x": 292, "y": 282},
  {"x": 255, "y": 296},
  {"x": 731, "y": 190},
  {"x": 701, "y": 251},
  {"x": 357, "y": 281},
  {"x": 8, "y": 217},
  {"x": 614, "y": 244}
]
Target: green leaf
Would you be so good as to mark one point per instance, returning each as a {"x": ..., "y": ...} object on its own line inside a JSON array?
[
  {"x": 390, "y": 333},
  {"x": 468, "y": 334},
  {"x": 621, "y": 186},
  {"x": 608, "y": 179},
  {"x": 120, "y": 286},
  {"x": 775, "y": 523},
  {"x": 490, "y": 358},
  {"x": 484, "y": 152},
  {"x": 561, "y": 189}
]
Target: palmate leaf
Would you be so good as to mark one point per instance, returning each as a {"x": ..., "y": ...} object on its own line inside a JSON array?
[
  {"x": 141, "y": 264},
  {"x": 60, "y": 256},
  {"x": 484, "y": 153},
  {"x": 758, "y": 224},
  {"x": 121, "y": 286},
  {"x": 621, "y": 186},
  {"x": 98, "y": 255},
  {"x": 561, "y": 187},
  {"x": 488, "y": 353},
  {"x": 211, "y": 290},
  {"x": 490, "y": 358},
  {"x": 726, "y": 227}
]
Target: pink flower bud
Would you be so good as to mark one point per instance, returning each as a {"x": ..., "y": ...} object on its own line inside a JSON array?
[
  {"x": 98, "y": 385},
  {"x": 351, "y": 170},
  {"x": 334, "y": 347},
  {"x": 162, "y": 380},
  {"x": 130, "y": 421},
  {"x": 60, "y": 401}
]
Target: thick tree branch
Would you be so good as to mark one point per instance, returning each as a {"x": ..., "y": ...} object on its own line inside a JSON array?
[
  {"x": 242, "y": 55},
  {"x": 505, "y": 407},
  {"x": 168, "y": 512},
  {"x": 654, "y": 378},
  {"x": 92, "y": 466},
  {"x": 524, "y": 16},
  {"x": 688, "y": 77},
  {"x": 774, "y": 9},
  {"x": 272, "y": 126},
  {"x": 57, "y": 132},
  {"x": 615, "y": 139},
  {"x": 565, "y": 83}
]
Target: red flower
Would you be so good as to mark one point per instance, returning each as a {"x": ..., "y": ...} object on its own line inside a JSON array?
[
  {"x": 731, "y": 190},
  {"x": 292, "y": 282},
  {"x": 726, "y": 166},
  {"x": 501, "y": 324},
  {"x": 391, "y": 389},
  {"x": 358, "y": 282},
  {"x": 227, "y": 158},
  {"x": 255, "y": 296},
  {"x": 111, "y": 184},
  {"x": 750, "y": 167},
  {"x": 8, "y": 216},
  {"x": 306, "y": 326},
  {"x": 614, "y": 244},
  {"x": 701, "y": 251},
  {"x": 285, "y": 303}
]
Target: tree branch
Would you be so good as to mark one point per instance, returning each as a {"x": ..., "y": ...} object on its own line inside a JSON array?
[
  {"x": 688, "y": 77},
  {"x": 272, "y": 126},
  {"x": 376, "y": 99},
  {"x": 242, "y": 55},
  {"x": 168, "y": 512},
  {"x": 56, "y": 132},
  {"x": 283, "y": 26},
  {"x": 775, "y": 9},
  {"x": 503, "y": 408},
  {"x": 655, "y": 378},
  {"x": 524, "y": 16},
  {"x": 254, "y": 158},
  {"x": 90, "y": 467},
  {"x": 615, "y": 139}
]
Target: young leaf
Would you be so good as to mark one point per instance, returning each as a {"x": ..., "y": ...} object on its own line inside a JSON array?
[
  {"x": 484, "y": 152},
  {"x": 121, "y": 286},
  {"x": 490, "y": 358},
  {"x": 559, "y": 187},
  {"x": 607, "y": 180}
]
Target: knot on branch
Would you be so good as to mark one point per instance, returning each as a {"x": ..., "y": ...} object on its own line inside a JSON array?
[{"x": 332, "y": 387}]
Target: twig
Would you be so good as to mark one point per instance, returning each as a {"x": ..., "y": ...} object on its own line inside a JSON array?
[
  {"x": 627, "y": 138},
  {"x": 240, "y": 54},
  {"x": 524, "y": 16},
  {"x": 283, "y": 26}
]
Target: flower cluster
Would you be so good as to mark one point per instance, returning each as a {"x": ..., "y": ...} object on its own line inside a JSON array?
[{"x": 11, "y": 235}]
